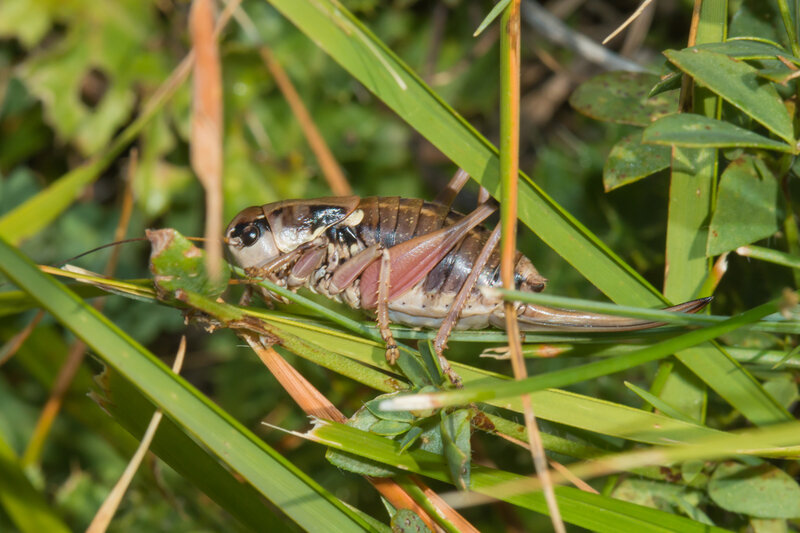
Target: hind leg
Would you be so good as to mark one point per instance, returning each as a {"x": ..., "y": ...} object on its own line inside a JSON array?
[{"x": 383, "y": 308}]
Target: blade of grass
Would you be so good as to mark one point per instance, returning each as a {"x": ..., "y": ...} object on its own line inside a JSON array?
[
  {"x": 77, "y": 351},
  {"x": 276, "y": 478},
  {"x": 691, "y": 196},
  {"x": 591, "y": 511},
  {"x": 44, "y": 354},
  {"x": 789, "y": 25},
  {"x": 559, "y": 406},
  {"x": 575, "y": 374},
  {"x": 345, "y": 39},
  {"x": 778, "y": 441},
  {"x": 771, "y": 256}
]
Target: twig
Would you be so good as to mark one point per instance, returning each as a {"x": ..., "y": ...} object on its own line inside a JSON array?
[
  {"x": 629, "y": 20},
  {"x": 554, "y": 29},
  {"x": 13, "y": 344}
]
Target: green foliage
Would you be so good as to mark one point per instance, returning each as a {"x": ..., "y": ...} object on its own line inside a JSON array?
[{"x": 706, "y": 441}]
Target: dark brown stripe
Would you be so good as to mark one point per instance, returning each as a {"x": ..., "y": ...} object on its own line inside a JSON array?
[
  {"x": 407, "y": 218},
  {"x": 387, "y": 212}
]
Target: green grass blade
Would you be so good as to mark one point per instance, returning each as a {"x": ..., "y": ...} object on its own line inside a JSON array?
[
  {"x": 769, "y": 255},
  {"x": 42, "y": 356},
  {"x": 567, "y": 408},
  {"x": 575, "y": 374},
  {"x": 493, "y": 14},
  {"x": 277, "y": 479},
  {"x": 591, "y": 511},
  {"x": 691, "y": 197},
  {"x": 354, "y": 47}
]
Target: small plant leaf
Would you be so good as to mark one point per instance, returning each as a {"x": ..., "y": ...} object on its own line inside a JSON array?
[
  {"x": 745, "y": 187},
  {"x": 738, "y": 83},
  {"x": 407, "y": 521},
  {"x": 456, "y": 432},
  {"x": 363, "y": 419},
  {"x": 697, "y": 131},
  {"x": 667, "y": 82},
  {"x": 762, "y": 491},
  {"x": 621, "y": 97},
  {"x": 748, "y": 49},
  {"x": 177, "y": 264},
  {"x": 395, "y": 416},
  {"x": 389, "y": 428},
  {"x": 630, "y": 161},
  {"x": 410, "y": 438}
]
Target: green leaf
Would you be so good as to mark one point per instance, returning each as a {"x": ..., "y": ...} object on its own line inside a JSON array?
[
  {"x": 277, "y": 479},
  {"x": 493, "y": 14},
  {"x": 762, "y": 491},
  {"x": 739, "y": 84},
  {"x": 748, "y": 49},
  {"x": 363, "y": 419},
  {"x": 748, "y": 187},
  {"x": 697, "y": 131},
  {"x": 407, "y": 521},
  {"x": 630, "y": 161},
  {"x": 659, "y": 404},
  {"x": 396, "y": 416},
  {"x": 456, "y": 432},
  {"x": 622, "y": 97},
  {"x": 389, "y": 428},
  {"x": 177, "y": 264}
]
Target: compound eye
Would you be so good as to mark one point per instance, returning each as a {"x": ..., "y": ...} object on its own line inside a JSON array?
[{"x": 250, "y": 234}]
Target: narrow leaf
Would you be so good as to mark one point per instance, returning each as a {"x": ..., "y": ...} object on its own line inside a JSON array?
[
  {"x": 697, "y": 131},
  {"x": 456, "y": 433}
]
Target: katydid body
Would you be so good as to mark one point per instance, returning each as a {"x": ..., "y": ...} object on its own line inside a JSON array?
[{"x": 346, "y": 248}]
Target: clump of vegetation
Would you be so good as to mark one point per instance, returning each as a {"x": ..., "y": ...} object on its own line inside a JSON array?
[{"x": 678, "y": 169}]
